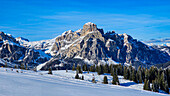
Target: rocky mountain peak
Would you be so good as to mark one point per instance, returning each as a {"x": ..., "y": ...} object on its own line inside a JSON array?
[{"x": 89, "y": 27}]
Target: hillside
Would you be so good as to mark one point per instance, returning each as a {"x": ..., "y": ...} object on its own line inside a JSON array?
[{"x": 61, "y": 83}]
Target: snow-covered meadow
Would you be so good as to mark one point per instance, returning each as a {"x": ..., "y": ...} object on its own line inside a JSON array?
[{"x": 62, "y": 83}]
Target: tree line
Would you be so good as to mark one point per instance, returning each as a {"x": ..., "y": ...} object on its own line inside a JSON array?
[{"x": 158, "y": 77}]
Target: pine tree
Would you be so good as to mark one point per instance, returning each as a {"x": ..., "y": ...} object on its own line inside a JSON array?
[
  {"x": 77, "y": 76},
  {"x": 6, "y": 64},
  {"x": 106, "y": 68},
  {"x": 140, "y": 76},
  {"x": 15, "y": 66},
  {"x": 155, "y": 86},
  {"x": 125, "y": 72},
  {"x": 93, "y": 80},
  {"x": 146, "y": 85},
  {"x": 73, "y": 67},
  {"x": 164, "y": 82},
  {"x": 85, "y": 68},
  {"x": 79, "y": 69},
  {"x": 146, "y": 74},
  {"x": 22, "y": 66},
  {"x": 82, "y": 78},
  {"x": 50, "y": 71},
  {"x": 100, "y": 70},
  {"x": 115, "y": 80},
  {"x": 134, "y": 75},
  {"x": 105, "y": 81},
  {"x": 92, "y": 68},
  {"x": 130, "y": 73}
]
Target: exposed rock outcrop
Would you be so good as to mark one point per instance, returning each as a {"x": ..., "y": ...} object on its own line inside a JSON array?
[{"x": 90, "y": 45}]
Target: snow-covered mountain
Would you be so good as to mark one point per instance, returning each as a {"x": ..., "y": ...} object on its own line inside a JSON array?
[
  {"x": 12, "y": 52},
  {"x": 92, "y": 46},
  {"x": 44, "y": 45},
  {"x": 163, "y": 47}
]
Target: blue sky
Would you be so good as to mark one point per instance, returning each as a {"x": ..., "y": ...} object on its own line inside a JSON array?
[{"x": 46, "y": 19}]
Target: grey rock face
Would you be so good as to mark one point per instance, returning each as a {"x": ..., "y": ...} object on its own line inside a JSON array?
[
  {"x": 12, "y": 51},
  {"x": 92, "y": 46}
]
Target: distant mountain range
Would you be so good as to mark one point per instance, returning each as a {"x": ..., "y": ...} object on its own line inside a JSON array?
[{"x": 89, "y": 45}]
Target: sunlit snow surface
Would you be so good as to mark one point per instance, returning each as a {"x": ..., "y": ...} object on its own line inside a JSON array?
[{"x": 30, "y": 83}]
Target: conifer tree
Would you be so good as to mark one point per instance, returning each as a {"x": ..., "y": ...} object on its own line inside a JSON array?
[
  {"x": 6, "y": 64},
  {"x": 106, "y": 68},
  {"x": 164, "y": 82},
  {"x": 125, "y": 72},
  {"x": 50, "y": 71},
  {"x": 93, "y": 80},
  {"x": 73, "y": 68},
  {"x": 100, "y": 70},
  {"x": 105, "y": 81},
  {"x": 79, "y": 69},
  {"x": 146, "y": 74},
  {"x": 115, "y": 80},
  {"x": 134, "y": 75},
  {"x": 155, "y": 86},
  {"x": 140, "y": 76},
  {"x": 148, "y": 86},
  {"x": 22, "y": 66},
  {"x": 15, "y": 66},
  {"x": 85, "y": 68},
  {"x": 77, "y": 76},
  {"x": 82, "y": 78}
]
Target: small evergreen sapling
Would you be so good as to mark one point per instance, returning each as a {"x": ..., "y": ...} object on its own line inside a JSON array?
[
  {"x": 50, "y": 71},
  {"x": 105, "y": 81}
]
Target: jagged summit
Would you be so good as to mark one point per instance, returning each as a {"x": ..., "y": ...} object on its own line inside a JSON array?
[
  {"x": 89, "y": 23},
  {"x": 88, "y": 27},
  {"x": 91, "y": 46}
]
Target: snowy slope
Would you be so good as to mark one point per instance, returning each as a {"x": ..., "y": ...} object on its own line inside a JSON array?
[{"x": 30, "y": 83}]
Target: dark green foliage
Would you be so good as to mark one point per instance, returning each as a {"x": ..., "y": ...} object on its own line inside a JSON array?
[
  {"x": 164, "y": 82},
  {"x": 105, "y": 81},
  {"x": 134, "y": 78},
  {"x": 82, "y": 78},
  {"x": 93, "y": 80},
  {"x": 125, "y": 74},
  {"x": 115, "y": 80},
  {"x": 6, "y": 64},
  {"x": 155, "y": 86},
  {"x": 50, "y": 71},
  {"x": 79, "y": 69},
  {"x": 147, "y": 74},
  {"x": 92, "y": 68},
  {"x": 147, "y": 85},
  {"x": 15, "y": 66},
  {"x": 139, "y": 75},
  {"x": 100, "y": 70},
  {"x": 85, "y": 68},
  {"x": 77, "y": 76},
  {"x": 73, "y": 68},
  {"x": 22, "y": 66},
  {"x": 120, "y": 69},
  {"x": 153, "y": 71},
  {"x": 106, "y": 68},
  {"x": 168, "y": 76},
  {"x": 130, "y": 73}
]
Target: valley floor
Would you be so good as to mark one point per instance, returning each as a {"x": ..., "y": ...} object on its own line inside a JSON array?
[{"x": 62, "y": 83}]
